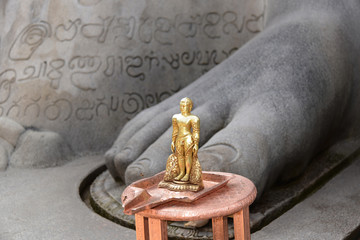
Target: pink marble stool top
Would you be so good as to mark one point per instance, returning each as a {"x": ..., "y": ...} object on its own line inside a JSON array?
[{"x": 238, "y": 193}]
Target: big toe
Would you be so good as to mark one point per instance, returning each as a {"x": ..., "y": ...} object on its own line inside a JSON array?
[
  {"x": 238, "y": 150},
  {"x": 152, "y": 161},
  {"x": 129, "y": 147}
]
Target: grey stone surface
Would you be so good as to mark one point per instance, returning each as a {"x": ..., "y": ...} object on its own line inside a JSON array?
[
  {"x": 4, "y": 158},
  {"x": 33, "y": 147},
  {"x": 10, "y": 130},
  {"x": 330, "y": 213},
  {"x": 83, "y": 68},
  {"x": 39, "y": 204},
  {"x": 281, "y": 197},
  {"x": 40, "y": 149},
  {"x": 5, "y": 151},
  {"x": 284, "y": 97}
]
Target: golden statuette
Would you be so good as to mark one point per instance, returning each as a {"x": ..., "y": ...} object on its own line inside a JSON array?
[{"x": 183, "y": 170}]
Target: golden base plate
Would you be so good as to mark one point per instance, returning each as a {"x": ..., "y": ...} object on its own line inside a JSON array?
[
  {"x": 180, "y": 186},
  {"x": 180, "y": 182}
]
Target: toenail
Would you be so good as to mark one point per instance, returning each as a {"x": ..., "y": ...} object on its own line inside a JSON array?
[
  {"x": 124, "y": 155},
  {"x": 134, "y": 173}
]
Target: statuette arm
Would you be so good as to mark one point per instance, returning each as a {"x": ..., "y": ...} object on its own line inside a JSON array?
[
  {"x": 174, "y": 134},
  {"x": 196, "y": 133}
]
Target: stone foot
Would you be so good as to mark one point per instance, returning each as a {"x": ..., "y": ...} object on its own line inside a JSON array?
[{"x": 264, "y": 111}]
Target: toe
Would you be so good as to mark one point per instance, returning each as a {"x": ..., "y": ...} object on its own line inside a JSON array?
[
  {"x": 237, "y": 150},
  {"x": 152, "y": 161},
  {"x": 141, "y": 140},
  {"x": 260, "y": 142},
  {"x": 133, "y": 126}
]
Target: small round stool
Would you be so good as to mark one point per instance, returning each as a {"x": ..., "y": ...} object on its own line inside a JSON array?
[{"x": 232, "y": 199}]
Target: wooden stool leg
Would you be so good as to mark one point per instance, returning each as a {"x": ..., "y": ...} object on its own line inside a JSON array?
[
  {"x": 142, "y": 227},
  {"x": 242, "y": 224},
  {"x": 220, "y": 228},
  {"x": 157, "y": 229}
]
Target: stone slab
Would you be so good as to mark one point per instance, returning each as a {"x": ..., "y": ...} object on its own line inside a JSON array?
[
  {"x": 45, "y": 204},
  {"x": 332, "y": 212}
]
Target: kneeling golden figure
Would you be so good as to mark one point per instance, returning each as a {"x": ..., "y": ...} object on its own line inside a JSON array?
[{"x": 183, "y": 170}]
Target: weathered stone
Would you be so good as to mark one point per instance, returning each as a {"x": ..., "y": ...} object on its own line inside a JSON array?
[
  {"x": 7, "y": 146},
  {"x": 84, "y": 68},
  {"x": 5, "y": 151},
  {"x": 40, "y": 149},
  {"x": 3, "y": 159},
  {"x": 282, "y": 197},
  {"x": 10, "y": 130},
  {"x": 330, "y": 213},
  {"x": 45, "y": 204}
]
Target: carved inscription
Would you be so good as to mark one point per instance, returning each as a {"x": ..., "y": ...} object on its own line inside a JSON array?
[
  {"x": 133, "y": 102},
  {"x": 124, "y": 29},
  {"x": 98, "y": 30},
  {"x": 59, "y": 108},
  {"x": 33, "y": 108},
  {"x": 7, "y": 78},
  {"x": 15, "y": 109},
  {"x": 82, "y": 69},
  {"x": 63, "y": 109},
  {"x": 67, "y": 32},
  {"x": 55, "y": 73},
  {"x": 120, "y": 30},
  {"x": 29, "y": 39},
  {"x": 84, "y": 74}
]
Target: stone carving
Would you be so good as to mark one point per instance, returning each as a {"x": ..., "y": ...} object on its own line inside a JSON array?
[
  {"x": 7, "y": 78},
  {"x": 271, "y": 107},
  {"x": 98, "y": 63},
  {"x": 6, "y": 150},
  {"x": 83, "y": 67},
  {"x": 25, "y": 147},
  {"x": 97, "y": 31},
  {"x": 29, "y": 40},
  {"x": 67, "y": 33},
  {"x": 10, "y": 130},
  {"x": 40, "y": 149}
]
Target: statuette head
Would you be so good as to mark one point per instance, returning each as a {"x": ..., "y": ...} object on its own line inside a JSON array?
[{"x": 185, "y": 105}]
